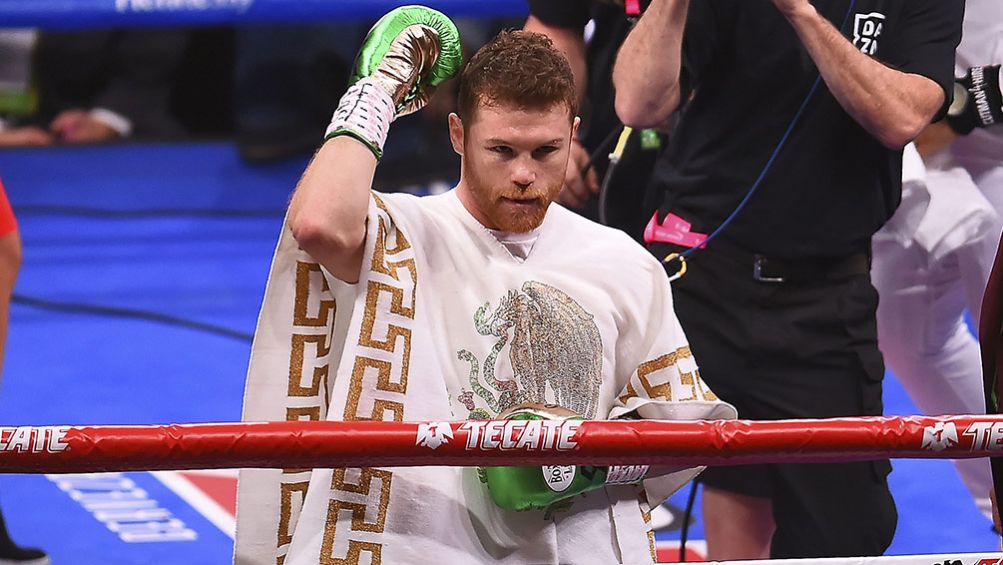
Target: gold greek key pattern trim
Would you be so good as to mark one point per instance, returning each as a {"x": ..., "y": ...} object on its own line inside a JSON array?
[
  {"x": 384, "y": 371},
  {"x": 364, "y": 485},
  {"x": 354, "y": 556},
  {"x": 645, "y": 509},
  {"x": 286, "y": 506},
  {"x": 705, "y": 391},
  {"x": 689, "y": 380},
  {"x": 397, "y": 306},
  {"x": 657, "y": 381},
  {"x": 301, "y": 309},
  {"x": 308, "y": 413},
  {"x": 364, "y": 489},
  {"x": 379, "y": 380},
  {"x": 652, "y": 546},
  {"x": 314, "y": 310},
  {"x": 296, "y": 362},
  {"x": 630, "y": 393},
  {"x": 401, "y": 244},
  {"x": 661, "y": 391}
]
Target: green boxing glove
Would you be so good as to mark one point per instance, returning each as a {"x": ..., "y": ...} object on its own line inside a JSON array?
[
  {"x": 538, "y": 488},
  {"x": 409, "y": 52}
]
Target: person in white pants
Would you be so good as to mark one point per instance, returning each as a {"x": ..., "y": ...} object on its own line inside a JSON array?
[{"x": 933, "y": 258}]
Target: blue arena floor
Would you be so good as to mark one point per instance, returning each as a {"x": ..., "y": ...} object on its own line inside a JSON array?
[{"x": 143, "y": 270}]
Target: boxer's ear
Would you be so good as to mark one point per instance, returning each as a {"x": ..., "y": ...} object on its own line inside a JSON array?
[{"x": 456, "y": 133}]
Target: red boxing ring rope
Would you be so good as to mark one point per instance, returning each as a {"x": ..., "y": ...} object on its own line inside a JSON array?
[{"x": 72, "y": 449}]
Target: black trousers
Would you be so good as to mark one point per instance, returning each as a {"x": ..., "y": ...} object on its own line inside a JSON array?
[{"x": 793, "y": 350}]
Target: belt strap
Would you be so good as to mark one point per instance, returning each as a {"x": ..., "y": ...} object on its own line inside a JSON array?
[{"x": 767, "y": 269}]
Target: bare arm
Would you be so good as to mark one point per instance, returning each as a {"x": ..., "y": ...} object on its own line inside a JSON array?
[
  {"x": 646, "y": 74},
  {"x": 327, "y": 213},
  {"x": 891, "y": 105}
]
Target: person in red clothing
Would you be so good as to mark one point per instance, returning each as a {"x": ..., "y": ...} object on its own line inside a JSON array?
[{"x": 10, "y": 262}]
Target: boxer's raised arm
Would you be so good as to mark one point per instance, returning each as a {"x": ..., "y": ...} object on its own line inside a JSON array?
[
  {"x": 406, "y": 54},
  {"x": 327, "y": 213}
]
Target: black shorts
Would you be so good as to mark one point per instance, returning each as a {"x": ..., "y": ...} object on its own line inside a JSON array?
[{"x": 793, "y": 350}]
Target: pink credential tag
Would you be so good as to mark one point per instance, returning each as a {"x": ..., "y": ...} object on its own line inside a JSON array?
[{"x": 674, "y": 230}]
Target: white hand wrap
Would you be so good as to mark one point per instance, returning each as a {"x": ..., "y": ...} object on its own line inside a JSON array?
[
  {"x": 365, "y": 113},
  {"x": 626, "y": 474}
]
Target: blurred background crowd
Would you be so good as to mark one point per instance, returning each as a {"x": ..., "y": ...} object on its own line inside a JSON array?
[{"x": 271, "y": 89}]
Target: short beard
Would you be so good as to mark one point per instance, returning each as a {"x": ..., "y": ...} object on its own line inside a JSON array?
[
  {"x": 487, "y": 199},
  {"x": 515, "y": 221},
  {"x": 519, "y": 222}
]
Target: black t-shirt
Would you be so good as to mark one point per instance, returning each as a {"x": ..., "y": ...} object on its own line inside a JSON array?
[{"x": 833, "y": 185}]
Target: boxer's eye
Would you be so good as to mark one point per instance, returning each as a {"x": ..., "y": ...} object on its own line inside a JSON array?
[{"x": 544, "y": 151}]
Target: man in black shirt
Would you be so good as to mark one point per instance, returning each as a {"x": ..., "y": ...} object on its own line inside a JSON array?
[{"x": 780, "y": 311}]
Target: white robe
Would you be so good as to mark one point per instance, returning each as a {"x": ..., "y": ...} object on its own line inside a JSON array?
[{"x": 446, "y": 324}]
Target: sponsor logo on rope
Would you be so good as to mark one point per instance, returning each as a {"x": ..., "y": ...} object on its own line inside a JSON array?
[
  {"x": 985, "y": 435},
  {"x": 29, "y": 439},
  {"x": 534, "y": 435},
  {"x": 434, "y": 434},
  {"x": 866, "y": 30},
  {"x": 940, "y": 436}
]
